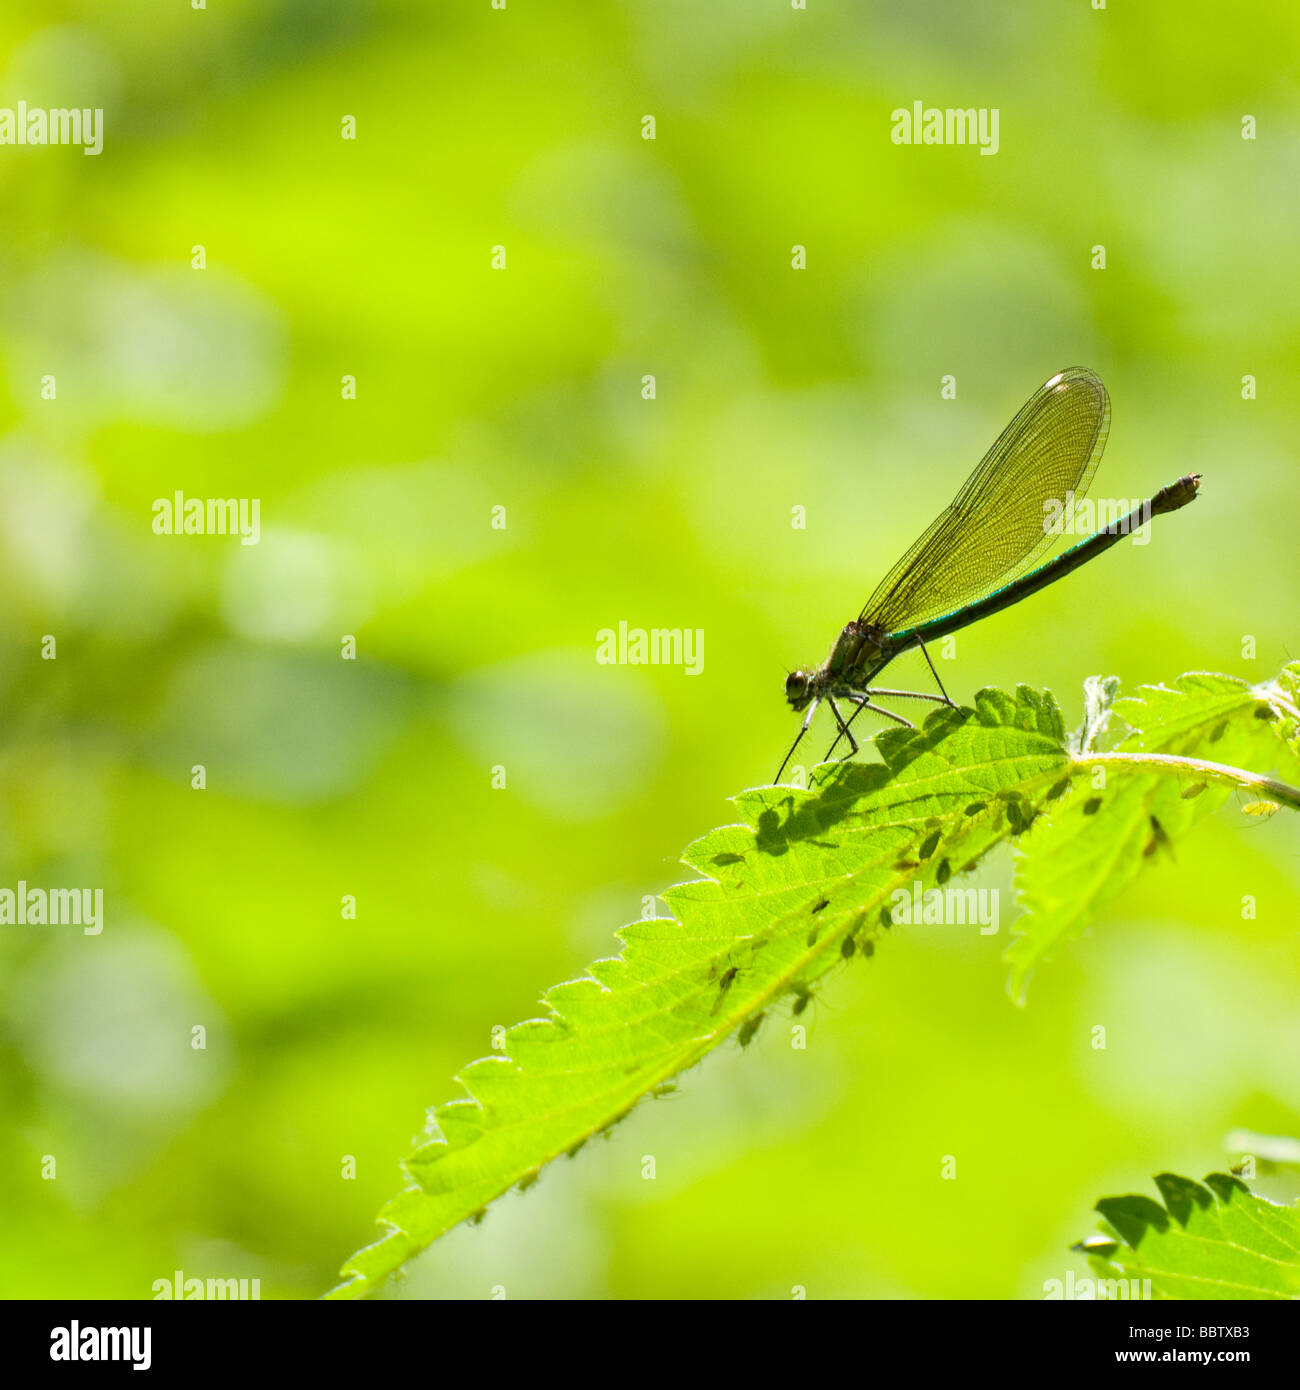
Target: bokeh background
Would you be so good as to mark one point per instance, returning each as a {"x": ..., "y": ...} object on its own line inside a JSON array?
[{"x": 522, "y": 388}]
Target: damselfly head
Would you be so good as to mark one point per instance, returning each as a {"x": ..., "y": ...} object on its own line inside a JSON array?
[{"x": 796, "y": 688}]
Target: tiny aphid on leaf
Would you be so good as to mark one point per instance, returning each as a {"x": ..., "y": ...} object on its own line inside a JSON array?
[
  {"x": 724, "y": 984},
  {"x": 748, "y": 1029}
]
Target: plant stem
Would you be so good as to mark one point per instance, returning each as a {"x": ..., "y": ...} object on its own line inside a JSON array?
[{"x": 1277, "y": 791}]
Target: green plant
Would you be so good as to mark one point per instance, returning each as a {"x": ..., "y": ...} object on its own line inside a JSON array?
[
  {"x": 811, "y": 878},
  {"x": 1210, "y": 1239}
]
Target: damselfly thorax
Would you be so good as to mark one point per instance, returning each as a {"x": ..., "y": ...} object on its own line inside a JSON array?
[{"x": 860, "y": 652}]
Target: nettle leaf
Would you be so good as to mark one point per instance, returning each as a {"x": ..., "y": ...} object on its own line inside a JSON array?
[
  {"x": 1210, "y": 1239},
  {"x": 1119, "y": 815},
  {"x": 805, "y": 881},
  {"x": 802, "y": 883}
]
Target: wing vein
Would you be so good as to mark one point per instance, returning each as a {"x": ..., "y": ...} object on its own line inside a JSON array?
[{"x": 997, "y": 525}]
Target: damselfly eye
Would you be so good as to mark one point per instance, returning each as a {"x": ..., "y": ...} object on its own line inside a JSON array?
[{"x": 796, "y": 685}]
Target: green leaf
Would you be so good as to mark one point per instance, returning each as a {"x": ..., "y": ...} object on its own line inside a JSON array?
[
  {"x": 805, "y": 881},
  {"x": 1212, "y": 1239},
  {"x": 1098, "y": 839}
]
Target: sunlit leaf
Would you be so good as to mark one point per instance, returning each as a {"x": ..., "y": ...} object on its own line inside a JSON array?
[
  {"x": 1210, "y": 1239},
  {"x": 807, "y": 880}
]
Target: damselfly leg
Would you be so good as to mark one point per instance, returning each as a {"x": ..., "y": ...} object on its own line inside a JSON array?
[
  {"x": 941, "y": 699},
  {"x": 803, "y": 729}
]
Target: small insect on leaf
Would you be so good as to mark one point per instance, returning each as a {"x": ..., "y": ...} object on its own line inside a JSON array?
[
  {"x": 608, "y": 1131},
  {"x": 724, "y": 984},
  {"x": 825, "y": 902},
  {"x": 1159, "y": 839},
  {"x": 801, "y": 1002},
  {"x": 1092, "y": 806},
  {"x": 748, "y": 1029},
  {"x": 930, "y": 844},
  {"x": 1261, "y": 808}
]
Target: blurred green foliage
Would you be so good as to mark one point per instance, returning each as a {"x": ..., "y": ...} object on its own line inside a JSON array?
[{"x": 521, "y": 388}]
